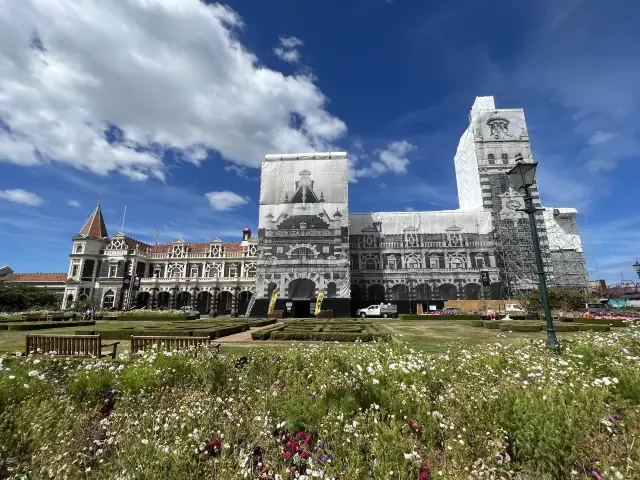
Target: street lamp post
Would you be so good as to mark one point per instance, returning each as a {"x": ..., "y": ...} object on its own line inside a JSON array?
[
  {"x": 636, "y": 267},
  {"x": 523, "y": 176}
]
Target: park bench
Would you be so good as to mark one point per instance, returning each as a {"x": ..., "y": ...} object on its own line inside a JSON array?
[
  {"x": 68, "y": 345},
  {"x": 169, "y": 343},
  {"x": 111, "y": 315},
  {"x": 30, "y": 317}
]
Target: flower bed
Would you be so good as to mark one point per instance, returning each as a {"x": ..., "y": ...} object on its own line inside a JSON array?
[
  {"x": 536, "y": 327},
  {"x": 358, "y": 411}
]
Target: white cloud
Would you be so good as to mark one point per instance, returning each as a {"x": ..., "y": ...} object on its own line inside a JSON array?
[
  {"x": 392, "y": 159},
  {"x": 240, "y": 171},
  {"x": 287, "y": 50},
  {"x": 600, "y": 137},
  {"x": 17, "y": 195},
  {"x": 73, "y": 203},
  {"x": 597, "y": 165},
  {"x": 225, "y": 200},
  {"x": 169, "y": 75}
]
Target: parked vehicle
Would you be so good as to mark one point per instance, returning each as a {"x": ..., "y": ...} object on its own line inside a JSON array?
[
  {"x": 190, "y": 311},
  {"x": 514, "y": 308},
  {"x": 597, "y": 308},
  {"x": 384, "y": 310}
]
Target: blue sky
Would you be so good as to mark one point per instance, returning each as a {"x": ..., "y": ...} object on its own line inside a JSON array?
[{"x": 168, "y": 107}]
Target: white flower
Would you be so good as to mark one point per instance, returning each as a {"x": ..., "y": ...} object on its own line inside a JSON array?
[
  {"x": 144, "y": 441},
  {"x": 11, "y": 377}
]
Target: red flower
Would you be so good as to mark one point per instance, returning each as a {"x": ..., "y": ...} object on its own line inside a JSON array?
[
  {"x": 410, "y": 423},
  {"x": 304, "y": 454},
  {"x": 308, "y": 440},
  {"x": 287, "y": 455},
  {"x": 295, "y": 446}
]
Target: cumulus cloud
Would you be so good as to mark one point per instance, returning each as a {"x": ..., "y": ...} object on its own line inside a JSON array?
[
  {"x": 225, "y": 200},
  {"x": 597, "y": 165},
  {"x": 287, "y": 49},
  {"x": 111, "y": 86},
  {"x": 392, "y": 159},
  {"x": 73, "y": 203},
  {"x": 17, "y": 195},
  {"x": 600, "y": 137}
]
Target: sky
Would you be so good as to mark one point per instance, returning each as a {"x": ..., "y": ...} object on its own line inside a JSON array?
[{"x": 167, "y": 108}]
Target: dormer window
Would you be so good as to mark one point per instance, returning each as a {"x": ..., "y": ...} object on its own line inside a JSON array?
[
  {"x": 113, "y": 271},
  {"x": 78, "y": 249}
]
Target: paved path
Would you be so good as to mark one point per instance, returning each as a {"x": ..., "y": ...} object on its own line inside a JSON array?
[{"x": 242, "y": 336}]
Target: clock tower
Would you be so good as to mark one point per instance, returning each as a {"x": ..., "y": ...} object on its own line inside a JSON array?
[{"x": 487, "y": 150}]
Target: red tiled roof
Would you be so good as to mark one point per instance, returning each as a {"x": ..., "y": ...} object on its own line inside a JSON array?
[
  {"x": 94, "y": 227},
  {"x": 133, "y": 243},
  {"x": 195, "y": 247},
  {"x": 34, "y": 277}
]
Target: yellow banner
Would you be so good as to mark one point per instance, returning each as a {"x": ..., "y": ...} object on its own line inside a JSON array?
[
  {"x": 319, "y": 301},
  {"x": 272, "y": 302}
]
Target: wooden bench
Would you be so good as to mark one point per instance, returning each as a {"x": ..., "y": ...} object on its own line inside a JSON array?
[
  {"x": 169, "y": 343},
  {"x": 68, "y": 345},
  {"x": 111, "y": 315}
]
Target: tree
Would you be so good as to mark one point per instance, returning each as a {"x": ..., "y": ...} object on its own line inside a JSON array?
[
  {"x": 15, "y": 297},
  {"x": 561, "y": 298}
]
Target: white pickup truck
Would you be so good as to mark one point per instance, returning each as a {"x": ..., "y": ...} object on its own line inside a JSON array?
[{"x": 384, "y": 310}]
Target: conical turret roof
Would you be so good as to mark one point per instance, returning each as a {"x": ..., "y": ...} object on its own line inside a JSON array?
[{"x": 95, "y": 227}]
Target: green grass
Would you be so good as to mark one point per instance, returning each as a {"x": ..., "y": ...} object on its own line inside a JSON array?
[{"x": 427, "y": 336}]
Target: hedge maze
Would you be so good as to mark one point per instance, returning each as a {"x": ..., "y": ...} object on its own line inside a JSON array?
[
  {"x": 329, "y": 330},
  {"x": 564, "y": 325},
  {"x": 185, "y": 328}
]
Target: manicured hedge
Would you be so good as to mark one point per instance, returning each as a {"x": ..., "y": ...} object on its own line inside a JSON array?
[
  {"x": 404, "y": 316},
  {"x": 47, "y": 325},
  {"x": 324, "y": 336},
  {"x": 263, "y": 322},
  {"x": 510, "y": 327},
  {"x": 494, "y": 325},
  {"x": 266, "y": 333},
  {"x": 127, "y": 333},
  {"x": 477, "y": 323},
  {"x": 165, "y": 318},
  {"x": 595, "y": 327},
  {"x": 567, "y": 327},
  {"x": 616, "y": 322}
]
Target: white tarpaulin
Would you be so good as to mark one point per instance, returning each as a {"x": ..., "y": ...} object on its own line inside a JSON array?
[
  {"x": 299, "y": 179},
  {"x": 422, "y": 222}
]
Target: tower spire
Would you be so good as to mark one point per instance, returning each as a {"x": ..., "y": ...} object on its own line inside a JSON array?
[{"x": 95, "y": 227}]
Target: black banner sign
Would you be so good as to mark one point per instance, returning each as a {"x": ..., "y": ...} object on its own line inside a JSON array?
[{"x": 485, "y": 279}]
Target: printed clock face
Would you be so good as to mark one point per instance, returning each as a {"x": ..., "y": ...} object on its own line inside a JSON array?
[{"x": 513, "y": 204}]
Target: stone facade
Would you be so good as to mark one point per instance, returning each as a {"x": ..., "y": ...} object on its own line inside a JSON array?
[{"x": 212, "y": 277}]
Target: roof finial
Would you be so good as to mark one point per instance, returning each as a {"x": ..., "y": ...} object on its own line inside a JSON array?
[
  {"x": 157, "y": 236},
  {"x": 99, "y": 199}
]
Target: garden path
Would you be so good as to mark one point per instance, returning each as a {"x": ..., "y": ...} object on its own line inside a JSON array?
[{"x": 242, "y": 336}]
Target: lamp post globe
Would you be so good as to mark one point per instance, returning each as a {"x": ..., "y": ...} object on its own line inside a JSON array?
[{"x": 523, "y": 176}]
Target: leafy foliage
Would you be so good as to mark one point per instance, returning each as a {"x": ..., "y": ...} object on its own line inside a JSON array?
[
  {"x": 15, "y": 297},
  {"x": 561, "y": 298}
]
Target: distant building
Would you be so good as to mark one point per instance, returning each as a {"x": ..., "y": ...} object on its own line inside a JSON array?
[{"x": 212, "y": 276}]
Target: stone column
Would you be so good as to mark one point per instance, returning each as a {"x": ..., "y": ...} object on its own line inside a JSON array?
[
  {"x": 212, "y": 301},
  {"x": 154, "y": 298},
  {"x": 234, "y": 303},
  {"x": 194, "y": 298},
  {"x": 172, "y": 298},
  {"x": 215, "y": 301}
]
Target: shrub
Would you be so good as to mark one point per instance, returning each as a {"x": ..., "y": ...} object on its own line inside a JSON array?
[
  {"x": 595, "y": 327},
  {"x": 47, "y": 325},
  {"x": 567, "y": 327},
  {"x": 477, "y": 323},
  {"x": 514, "y": 327},
  {"x": 615, "y": 322},
  {"x": 491, "y": 324},
  {"x": 404, "y": 316}
]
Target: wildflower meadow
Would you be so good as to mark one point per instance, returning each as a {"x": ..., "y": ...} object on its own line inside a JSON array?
[{"x": 329, "y": 411}]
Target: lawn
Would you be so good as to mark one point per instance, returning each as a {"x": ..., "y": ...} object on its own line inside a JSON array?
[{"x": 429, "y": 336}]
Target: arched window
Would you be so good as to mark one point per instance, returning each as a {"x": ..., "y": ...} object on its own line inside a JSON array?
[
  {"x": 505, "y": 158},
  {"x": 109, "y": 299},
  {"x": 78, "y": 249},
  {"x": 492, "y": 159},
  {"x": 369, "y": 264}
]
